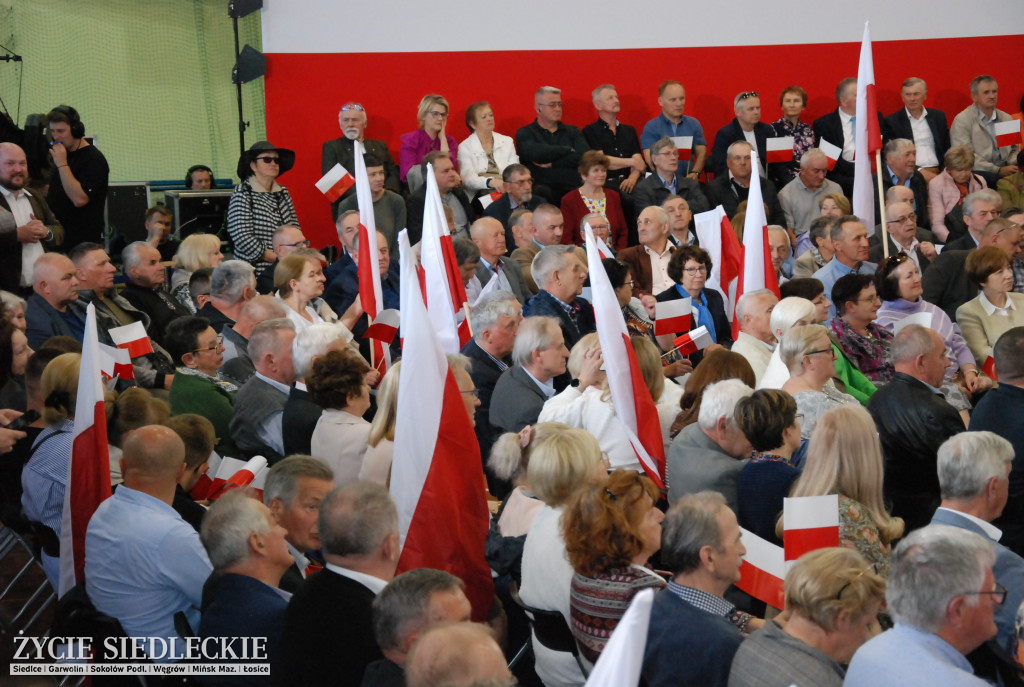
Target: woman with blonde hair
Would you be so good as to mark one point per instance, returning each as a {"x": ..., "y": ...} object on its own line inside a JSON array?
[
  {"x": 380, "y": 443},
  {"x": 808, "y": 353},
  {"x": 44, "y": 478},
  {"x": 298, "y": 279},
  {"x": 559, "y": 465},
  {"x": 947, "y": 190},
  {"x": 589, "y": 405},
  {"x": 835, "y": 205},
  {"x": 195, "y": 252},
  {"x": 845, "y": 458},
  {"x": 431, "y": 135},
  {"x": 833, "y": 598}
]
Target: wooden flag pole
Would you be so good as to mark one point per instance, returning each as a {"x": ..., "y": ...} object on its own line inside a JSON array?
[
  {"x": 469, "y": 325},
  {"x": 881, "y": 204}
]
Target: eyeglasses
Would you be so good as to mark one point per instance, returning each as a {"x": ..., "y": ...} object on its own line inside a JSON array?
[
  {"x": 220, "y": 340},
  {"x": 823, "y": 350},
  {"x": 694, "y": 271},
  {"x": 521, "y": 182},
  {"x": 630, "y": 283},
  {"x": 600, "y": 226},
  {"x": 439, "y": 115},
  {"x": 998, "y": 594},
  {"x": 297, "y": 244},
  {"x": 269, "y": 160},
  {"x": 475, "y": 393},
  {"x": 748, "y": 94},
  {"x": 352, "y": 106},
  {"x": 557, "y": 103},
  {"x": 869, "y": 299},
  {"x": 672, "y": 152},
  {"x": 912, "y": 216}
]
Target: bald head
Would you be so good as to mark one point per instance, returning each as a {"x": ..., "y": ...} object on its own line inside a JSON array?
[
  {"x": 257, "y": 310},
  {"x": 54, "y": 279},
  {"x": 13, "y": 167},
  {"x": 153, "y": 453},
  {"x": 456, "y": 655}
]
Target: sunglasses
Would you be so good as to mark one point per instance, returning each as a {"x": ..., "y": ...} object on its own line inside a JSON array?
[{"x": 269, "y": 160}]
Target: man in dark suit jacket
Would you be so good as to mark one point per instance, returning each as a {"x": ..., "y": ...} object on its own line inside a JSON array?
[
  {"x": 666, "y": 180},
  {"x": 560, "y": 275},
  {"x": 832, "y": 127},
  {"x": 898, "y": 124},
  {"x": 903, "y": 235},
  {"x": 732, "y": 188},
  {"x": 901, "y": 168},
  {"x": 489, "y": 237},
  {"x": 540, "y": 356},
  {"x": 495, "y": 321},
  {"x": 54, "y": 310},
  {"x": 328, "y": 637},
  {"x": 518, "y": 194},
  {"x": 352, "y": 120},
  {"x": 448, "y": 185},
  {"x": 30, "y": 231},
  {"x": 748, "y": 119}
]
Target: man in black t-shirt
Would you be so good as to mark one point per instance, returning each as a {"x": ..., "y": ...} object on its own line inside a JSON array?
[{"x": 78, "y": 183}]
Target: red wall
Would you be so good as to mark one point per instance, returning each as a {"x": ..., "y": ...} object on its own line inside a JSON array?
[{"x": 305, "y": 91}]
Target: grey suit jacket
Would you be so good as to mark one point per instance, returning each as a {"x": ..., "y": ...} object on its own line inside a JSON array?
[
  {"x": 517, "y": 400},
  {"x": 512, "y": 272},
  {"x": 696, "y": 463}
]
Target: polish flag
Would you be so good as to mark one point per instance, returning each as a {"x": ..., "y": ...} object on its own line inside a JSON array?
[
  {"x": 488, "y": 199},
  {"x": 445, "y": 293},
  {"x": 115, "y": 362},
  {"x": 370, "y": 297},
  {"x": 672, "y": 316},
  {"x": 685, "y": 146},
  {"x": 758, "y": 271},
  {"x": 437, "y": 478},
  {"x": 780, "y": 149},
  {"x": 384, "y": 326},
  {"x": 89, "y": 472},
  {"x": 763, "y": 570},
  {"x": 691, "y": 342},
  {"x": 623, "y": 656},
  {"x": 832, "y": 152},
  {"x": 1007, "y": 133},
  {"x": 630, "y": 396},
  {"x": 233, "y": 473},
  {"x": 204, "y": 485},
  {"x": 811, "y": 523},
  {"x": 604, "y": 251},
  {"x": 867, "y": 136},
  {"x": 132, "y": 337},
  {"x": 989, "y": 368},
  {"x": 337, "y": 181},
  {"x": 716, "y": 236}
]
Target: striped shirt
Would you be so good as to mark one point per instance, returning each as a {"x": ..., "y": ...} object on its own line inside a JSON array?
[{"x": 44, "y": 479}]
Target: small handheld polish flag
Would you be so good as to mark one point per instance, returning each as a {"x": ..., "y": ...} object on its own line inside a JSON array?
[
  {"x": 1007, "y": 133},
  {"x": 779, "y": 149},
  {"x": 685, "y": 146},
  {"x": 336, "y": 182},
  {"x": 488, "y": 199},
  {"x": 671, "y": 317},
  {"x": 694, "y": 341},
  {"x": 832, "y": 152},
  {"x": 132, "y": 337}
]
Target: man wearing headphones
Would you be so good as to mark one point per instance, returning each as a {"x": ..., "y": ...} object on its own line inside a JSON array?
[
  {"x": 78, "y": 184},
  {"x": 199, "y": 178}
]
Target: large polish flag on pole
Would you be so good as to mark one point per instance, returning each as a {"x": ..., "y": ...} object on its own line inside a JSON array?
[
  {"x": 89, "y": 471},
  {"x": 369, "y": 275},
  {"x": 437, "y": 478},
  {"x": 867, "y": 136},
  {"x": 630, "y": 396},
  {"x": 445, "y": 292},
  {"x": 716, "y": 236},
  {"x": 758, "y": 271}
]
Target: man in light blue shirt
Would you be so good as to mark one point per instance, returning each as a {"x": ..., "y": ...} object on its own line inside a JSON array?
[
  {"x": 143, "y": 563},
  {"x": 850, "y": 242},
  {"x": 942, "y": 595},
  {"x": 672, "y": 122}
]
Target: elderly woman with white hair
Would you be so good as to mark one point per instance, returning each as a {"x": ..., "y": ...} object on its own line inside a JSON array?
[
  {"x": 589, "y": 405},
  {"x": 808, "y": 353},
  {"x": 788, "y": 313},
  {"x": 833, "y": 598},
  {"x": 195, "y": 252}
]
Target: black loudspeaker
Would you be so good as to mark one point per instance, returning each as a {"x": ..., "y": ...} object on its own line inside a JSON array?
[
  {"x": 75, "y": 122},
  {"x": 251, "y": 65},
  {"x": 127, "y": 203}
]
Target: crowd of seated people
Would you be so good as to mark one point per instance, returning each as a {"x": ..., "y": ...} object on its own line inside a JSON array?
[{"x": 870, "y": 371}]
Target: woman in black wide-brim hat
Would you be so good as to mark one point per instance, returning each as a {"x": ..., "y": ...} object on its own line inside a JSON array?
[{"x": 259, "y": 204}]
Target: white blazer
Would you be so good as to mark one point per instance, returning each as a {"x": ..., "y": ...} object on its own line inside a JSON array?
[{"x": 473, "y": 160}]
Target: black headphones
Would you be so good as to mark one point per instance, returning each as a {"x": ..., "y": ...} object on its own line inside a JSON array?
[
  {"x": 197, "y": 168},
  {"x": 74, "y": 121}
]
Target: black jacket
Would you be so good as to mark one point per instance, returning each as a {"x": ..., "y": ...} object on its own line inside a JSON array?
[
  {"x": 912, "y": 421},
  {"x": 897, "y": 125}
]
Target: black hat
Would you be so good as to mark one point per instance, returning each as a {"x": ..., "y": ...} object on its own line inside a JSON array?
[{"x": 287, "y": 158}]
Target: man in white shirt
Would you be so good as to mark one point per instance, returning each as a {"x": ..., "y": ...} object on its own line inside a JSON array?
[
  {"x": 27, "y": 226},
  {"x": 648, "y": 262},
  {"x": 756, "y": 341},
  {"x": 928, "y": 128}
]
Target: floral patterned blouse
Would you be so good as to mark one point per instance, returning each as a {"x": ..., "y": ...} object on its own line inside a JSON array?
[
  {"x": 803, "y": 140},
  {"x": 858, "y": 531},
  {"x": 595, "y": 205},
  {"x": 871, "y": 352}
]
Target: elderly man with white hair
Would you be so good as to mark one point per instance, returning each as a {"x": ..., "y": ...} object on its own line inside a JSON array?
[
  {"x": 974, "y": 475},
  {"x": 756, "y": 341},
  {"x": 942, "y": 594},
  {"x": 237, "y": 365},
  {"x": 746, "y": 125},
  {"x": 560, "y": 273},
  {"x": 550, "y": 149},
  {"x": 540, "y": 356},
  {"x": 144, "y": 288},
  {"x": 352, "y": 122},
  {"x": 709, "y": 454},
  {"x": 648, "y": 262},
  {"x": 799, "y": 198},
  {"x": 232, "y": 283},
  {"x": 900, "y": 155}
]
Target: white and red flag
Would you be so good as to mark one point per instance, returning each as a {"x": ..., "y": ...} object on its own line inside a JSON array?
[
  {"x": 758, "y": 271},
  {"x": 88, "y": 481},
  {"x": 989, "y": 368},
  {"x": 685, "y": 146},
  {"x": 115, "y": 362},
  {"x": 370, "y": 297},
  {"x": 384, "y": 326},
  {"x": 811, "y": 523},
  {"x": 489, "y": 198},
  {"x": 445, "y": 293},
  {"x": 717, "y": 237},
  {"x": 631, "y": 398},
  {"x": 233, "y": 473},
  {"x": 437, "y": 478},
  {"x": 133, "y": 338},
  {"x": 337, "y": 181},
  {"x": 763, "y": 570},
  {"x": 691, "y": 342},
  {"x": 672, "y": 316},
  {"x": 867, "y": 137},
  {"x": 832, "y": 152},
  {"x": 1007, "y": 133},
  {"x": 622, "y": 659},
  {"x": 779, "y": 149}
]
